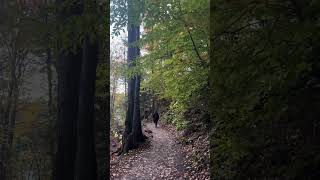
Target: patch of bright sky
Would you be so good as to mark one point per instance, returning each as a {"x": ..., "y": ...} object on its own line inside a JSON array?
[{"x": 118, "y": 48}]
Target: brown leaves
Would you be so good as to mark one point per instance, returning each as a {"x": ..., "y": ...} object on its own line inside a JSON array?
[
  {"x": 197, "y": 156},
  {"x": 161, "y": 157}
]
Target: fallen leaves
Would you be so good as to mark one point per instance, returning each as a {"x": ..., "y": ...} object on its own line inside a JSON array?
[{"x": 161, "y": 157}]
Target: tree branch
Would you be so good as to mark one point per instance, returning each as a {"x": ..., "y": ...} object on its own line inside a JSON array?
[{"x": 190, "y": 35}]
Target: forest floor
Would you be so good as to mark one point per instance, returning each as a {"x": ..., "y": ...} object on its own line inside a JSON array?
[{"x": 161, "y": 157}]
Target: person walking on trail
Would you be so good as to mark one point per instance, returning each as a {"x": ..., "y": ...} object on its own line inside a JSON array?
[{"x": 155, "y": 117}]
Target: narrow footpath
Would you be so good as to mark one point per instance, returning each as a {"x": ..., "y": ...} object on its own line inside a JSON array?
[{"x": 161, "y": 158}]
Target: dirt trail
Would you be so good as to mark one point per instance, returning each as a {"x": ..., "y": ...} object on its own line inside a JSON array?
[{"x": 163, "y": 159}]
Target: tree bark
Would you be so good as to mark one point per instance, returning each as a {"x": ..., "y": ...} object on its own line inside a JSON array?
[
  {"x": 50, "y": 96},
  {"x": 51, "y": 117},
  {"x": 133, "y": 131},
  {"x": 113, "y": 98},
  {"x": 68, "y": 68},
  {"x": 86, "y": 165},
  {"x": 127, "y": 139},
  {"x": 136, "y": 125},
  {"x": 68, "y": 79}
]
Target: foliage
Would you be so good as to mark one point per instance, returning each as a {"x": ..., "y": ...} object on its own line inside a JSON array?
[
  {"x": 119, "y": 14},
  {"x": 18, "y": 42},
  {"x": 31, "y": 153},
  {"x": 176, "y": 65},
  {"x": 33, "y": 30},
  {"x": 263, "y": 82}
]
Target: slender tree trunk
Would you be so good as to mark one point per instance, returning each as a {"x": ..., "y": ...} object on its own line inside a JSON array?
[
  {"x": 50, "y": 96},
  {"x": 50, "y": 107},
  {"x": 12, "y": 115},
  {"x": 113, "y": 98},
  {"x": 125, "y": 77},
  {"x": 125, "y": 90},
  {"x": 49, "y": 79},
  {"x": 86, "y": 165},
  {"x": 152, "y": 95}
]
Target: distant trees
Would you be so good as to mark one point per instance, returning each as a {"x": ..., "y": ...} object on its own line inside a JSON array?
[
  {"x": 117, "y": 73},
  {"x": 47, "y": 37},
  {"x": 14, "y": 49},
  {"x": 176, "y": 39},
  {"x": 177, "y": 63}
]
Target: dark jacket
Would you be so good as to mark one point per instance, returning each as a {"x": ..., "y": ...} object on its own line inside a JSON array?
[{"x": 155, "y": 117}]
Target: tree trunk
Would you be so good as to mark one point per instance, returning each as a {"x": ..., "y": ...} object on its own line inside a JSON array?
[
  {"x": 125, "y": 90},
  {"x": 125, "y": 77},
  {"x": 102, "y": 124},
  {"x": 113, "y": 98},
  {"x": 68, "y": 79},
  {"x": 136, "y": 125},
  {"x": 136, "y": 114},
  {"x": 50, "y": 108},
  {"x": 127, "y": 139},
  {"x": 86, "y": 165},
  {"x": 133, "y": 131},
  {"x": 50, "y": 97},
  {"x": 68, "y": 68}
]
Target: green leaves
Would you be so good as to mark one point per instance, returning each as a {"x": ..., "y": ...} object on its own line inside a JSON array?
[
  {"x": 119, "y": 14},
  {"x": 171, "y": 67},
  {"x": 76, "y": 20},
  {"x": 260, "y": 65}
]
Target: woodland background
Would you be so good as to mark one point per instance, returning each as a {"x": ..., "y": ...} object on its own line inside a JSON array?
[{"x": 247, "y": 79}]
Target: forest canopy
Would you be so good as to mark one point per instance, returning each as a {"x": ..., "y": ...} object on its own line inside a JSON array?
[
  {"x": 244, "y": 75},
  {"x": 264, "y": 80}
]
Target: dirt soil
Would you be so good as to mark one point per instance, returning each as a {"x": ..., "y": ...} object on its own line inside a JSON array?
[{"x": 162, "y": 157}]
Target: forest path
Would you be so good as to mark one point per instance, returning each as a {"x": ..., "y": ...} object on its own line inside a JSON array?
[{"x": 161, "y": 159}]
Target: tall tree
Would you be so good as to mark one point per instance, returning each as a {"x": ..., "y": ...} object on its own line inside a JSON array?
[
  {"x": 133, "y": 131},
  {"x": 76, "y": 156},
  {"x": 68, "y": 69},
  {"x": 86, "y": 157},
  {"x": 68, "y": 78}
]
